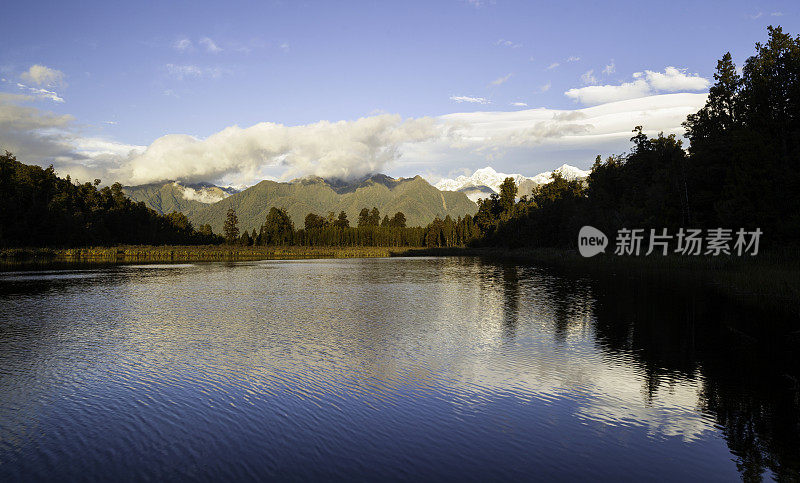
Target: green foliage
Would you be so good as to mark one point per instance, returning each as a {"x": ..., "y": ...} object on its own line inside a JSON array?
[
  {"x": 742, "y": 169},
  {"x": 399, "y": 220},
  {"x": 744, "y": 164},
  {"x": 278, "y": 228},
  {"x": 342, "y": 221},
  {"x": 37, "y": 208},
  {"x": 314, "y": 221},
  {"x": 231, "y": 227},
  {"x": 374, "y": 217},
  {"x": 245, "y": 240},
  {"x": 363, "y": 217}
]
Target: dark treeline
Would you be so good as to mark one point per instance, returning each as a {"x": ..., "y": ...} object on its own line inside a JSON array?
[
  {"x": 370, "y": 230},
  {"x": 37, "y": 208},
  {"x": 741, "y": 170}
]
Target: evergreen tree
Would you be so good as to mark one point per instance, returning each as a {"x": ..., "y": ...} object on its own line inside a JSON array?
[
  {"x": 342, "y": 221},
  {"x": 363, "y": 218},
  {"x": 314, "y": 221},
  {"x": 231, "y": 227},
  {"x": 508, "y": 194},
  {"x": 278, "y": 228},
  {"x": 399, "y": 220},
  {"x": 38, "y": 208},
  {"x": 374, "y": 217},
  {"x": 245, "y": 239}
]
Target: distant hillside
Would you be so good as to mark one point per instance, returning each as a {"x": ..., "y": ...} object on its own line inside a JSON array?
[
  {"x": 168, "y": 197},
  {"x": 415, "y": 197}
]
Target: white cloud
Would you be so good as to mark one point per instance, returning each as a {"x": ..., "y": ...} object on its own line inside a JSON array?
[
  {"x": 377, "y": 143},
  {"x": 777, "y": 14},
  {"x": 501, "y": 80},
  {"x": 43, "y": 76},
  {"x": 210, "y": 45},
  {"x": 473, "y": 100},
  {"x": 182, "y": 45},
  {"x": 493, "y": 133},
  {"x": 181, "y": 72},
  {"x": 189, "y": 71},
  {"x": 610, "y": 68},
  {"x": 552, "y": 66},
  {"x": 92, "y": 147},
  {"x": 588, "y": 77},
  {"x": 508, "y": 43},
  {"x": 644, "y": 84},
  {"x": 285, "y": 46},
  {"x": 40, "y": 137},
  {"x": 330, "y": 149},
  {"x": 593, "y": 95},
  {"x": 545, "y": 87},
  {"x": 675, "y": 80},
  {"x": 42, "y": 93},
  {"x": 757, "y": 16},
  {"x": 573, "y": 59}
]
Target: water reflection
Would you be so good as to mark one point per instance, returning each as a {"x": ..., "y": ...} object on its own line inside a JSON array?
[{"x": 375, "y": 368}]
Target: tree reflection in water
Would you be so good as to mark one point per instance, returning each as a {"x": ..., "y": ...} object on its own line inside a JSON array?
[{"x": 747, "y": 360}]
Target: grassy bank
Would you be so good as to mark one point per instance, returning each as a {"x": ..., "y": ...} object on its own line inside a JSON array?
[
  {"x": 204, "y": 253},
  {"x": 769, "y": 280}
]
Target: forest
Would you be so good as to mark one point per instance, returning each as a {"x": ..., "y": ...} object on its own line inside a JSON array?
[
  {"x": 40, "y": 209},
  {"x": 741, "y": 169}
]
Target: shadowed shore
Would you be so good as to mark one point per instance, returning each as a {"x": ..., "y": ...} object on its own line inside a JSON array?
[{"x": 770, "y": 280}]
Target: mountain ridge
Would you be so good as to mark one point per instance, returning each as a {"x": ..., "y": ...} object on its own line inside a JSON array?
[
  {"x": 415, "y": 197},
  {"x": 485, "y": 181}
]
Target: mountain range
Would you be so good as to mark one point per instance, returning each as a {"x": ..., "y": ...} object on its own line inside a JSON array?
[
  {"x": 415, "y": 197},
  {"x": 205, "y": 203},
  {"x": 483, "y": 182}
]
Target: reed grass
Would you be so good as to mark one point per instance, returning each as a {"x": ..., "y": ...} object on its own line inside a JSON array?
[{"x": 203, "y": 253}]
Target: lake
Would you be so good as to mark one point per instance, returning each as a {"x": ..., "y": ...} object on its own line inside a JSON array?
[{"x": 401, "y": 368}]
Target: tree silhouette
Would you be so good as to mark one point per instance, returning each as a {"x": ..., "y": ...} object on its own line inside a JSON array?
[{"x": 231, "y": 228}]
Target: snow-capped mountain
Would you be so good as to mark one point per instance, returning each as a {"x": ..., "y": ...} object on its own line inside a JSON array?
[{"x": 486, "y": 181}]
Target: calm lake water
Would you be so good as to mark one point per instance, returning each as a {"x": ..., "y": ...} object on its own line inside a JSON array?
[{"x": 386, "y": 369}]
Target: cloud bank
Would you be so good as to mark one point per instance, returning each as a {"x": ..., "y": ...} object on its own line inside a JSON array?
[
  {"x": 379, "y": 143},
  {"x": 645, "y": 83},
  {"x": 41, "y": 137},
  {"x": 343, "y": 149},
  {"x": 347, "y": 149}
]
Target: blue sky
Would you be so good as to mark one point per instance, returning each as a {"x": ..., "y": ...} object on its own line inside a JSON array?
[{"x": 127, "y": 74}]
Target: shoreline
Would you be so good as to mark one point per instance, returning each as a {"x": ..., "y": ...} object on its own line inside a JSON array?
[
  {"x": 23, "y": 257},
  {"x": 769, "y": 280}
]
